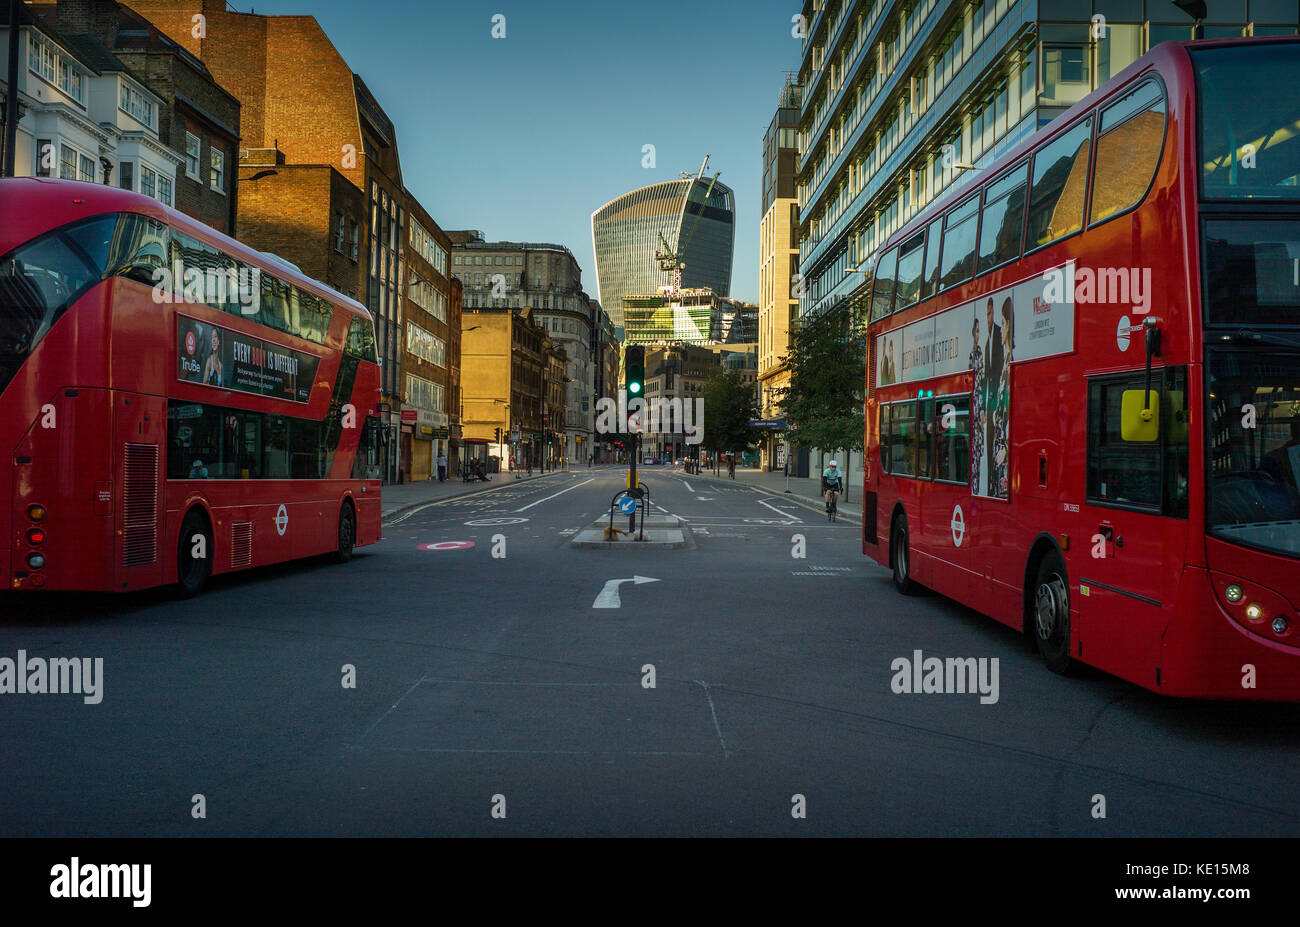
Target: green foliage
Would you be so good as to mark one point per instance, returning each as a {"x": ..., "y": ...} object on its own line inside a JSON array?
[
  {"x": 824, "y": 402},
  {"x": 729, "y": 406}
]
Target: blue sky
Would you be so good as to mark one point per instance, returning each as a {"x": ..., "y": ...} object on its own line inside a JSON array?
[{"x": 523, "y": 137}]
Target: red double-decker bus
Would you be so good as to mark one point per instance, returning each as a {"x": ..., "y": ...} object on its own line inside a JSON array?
[
  {"x": 1083, "y": 388},
  {"x": 173, "y": 404}
]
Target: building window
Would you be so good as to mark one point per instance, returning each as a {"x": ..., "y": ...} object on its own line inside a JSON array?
[
  {"x": 148, "y": 181},
  {"x": 340, "y": 231},
  {"x": 67, "y": 163},
  {"x": 86, "y": 169},
  {"x": 126, "y": 175},
  {"x": 193, "y": 145},
  {"x": 164, "y": 190},
  {"x": 218, "y": 176},
  {"x": 45, "y": 158},
  {"x": 135, "y": 104},
  {"x": 354, "y": 239}
]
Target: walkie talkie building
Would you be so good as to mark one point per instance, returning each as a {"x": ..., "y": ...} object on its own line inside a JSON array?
[{"x": 696, "y": 217}]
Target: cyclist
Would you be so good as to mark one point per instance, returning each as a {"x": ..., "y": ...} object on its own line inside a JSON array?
[{"x": 832, "y": 484}]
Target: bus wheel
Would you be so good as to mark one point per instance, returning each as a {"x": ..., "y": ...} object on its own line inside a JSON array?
[
  {"x": 1052, "y": 614},
  {"x": 347, "y": 533},
  {"x": 193, "y": 554},
  {"x": 900, "y": 559}
]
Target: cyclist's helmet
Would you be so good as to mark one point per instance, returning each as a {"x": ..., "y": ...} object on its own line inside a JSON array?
[{"x": 834, "y": 464}]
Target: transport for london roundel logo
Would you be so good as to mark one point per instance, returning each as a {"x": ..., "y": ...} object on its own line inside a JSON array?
[
  {"x": 958, "y": 526},
  {"x": 281, "y": 520}
]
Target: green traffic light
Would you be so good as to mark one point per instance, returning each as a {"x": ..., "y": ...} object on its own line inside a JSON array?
[{"x": 634, "y": 387}]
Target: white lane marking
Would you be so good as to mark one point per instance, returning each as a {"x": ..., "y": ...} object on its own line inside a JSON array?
[
  {"x": 774, "y": 508},
  {"x": 608, "y": 597},
  {"x": 688, "y": 486},
  {"x": 548, "y": 498}
]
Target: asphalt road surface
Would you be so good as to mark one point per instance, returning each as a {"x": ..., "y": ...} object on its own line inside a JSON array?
[{"x": 492, "y": 698}]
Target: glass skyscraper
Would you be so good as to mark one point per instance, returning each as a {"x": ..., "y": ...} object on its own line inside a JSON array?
[{"x": 696, "y": 217}]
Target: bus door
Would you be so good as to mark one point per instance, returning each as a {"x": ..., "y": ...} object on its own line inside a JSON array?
[
  {"x": 139, "y": 436},
  {"x": 1134, "y": 519},
  {"x": 946, "y": 510}
]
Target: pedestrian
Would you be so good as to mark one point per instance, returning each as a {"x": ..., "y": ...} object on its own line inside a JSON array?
[
  {"x": 442, "y": 468},
  {"x": 731, "y": 466}
]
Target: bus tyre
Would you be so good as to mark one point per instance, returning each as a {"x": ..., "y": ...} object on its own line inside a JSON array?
[
  {"x": 900, "y": 558},
  {"x": 1051, "y": 611},
  {"x": 193, "y": 555},
  {"x": 347, "y": 536}
]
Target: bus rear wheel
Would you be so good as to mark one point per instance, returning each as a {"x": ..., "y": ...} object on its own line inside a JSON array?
[
  {"x": 193, "y": 555},
  {"x": 1051, "y": 611},
  {"x": 347, "y": 536},
  {"x": 900, "y": 558}
]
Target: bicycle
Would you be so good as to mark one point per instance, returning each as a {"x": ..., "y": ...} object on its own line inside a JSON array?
[{"x": 832, "y": 504}]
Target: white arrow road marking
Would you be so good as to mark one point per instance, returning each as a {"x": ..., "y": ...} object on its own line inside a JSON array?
[{"x": 608, "y": 597}]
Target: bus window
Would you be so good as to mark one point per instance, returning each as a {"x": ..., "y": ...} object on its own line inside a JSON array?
[
  {"x": 952, "y": 439},
  {"x": 924, "y": 436},
  {"x": 884, "y": 438},
  {"x": 958, "y": 263},
  {"x": 140, "y": 247},
  {"x": 902, "y": 438},
  {"x": 911, "y": 256},
  {"x": 883, "y": 289},
  {"x": 365, "y": 466},
  {"x": 1128, "y": 150},
  {"x": 1003, "y": 220},
  {"x": 41, "y": 279},
  {"x": 933, "y": 237},
  {"x": 1123, "y": 473},
  {"x": 1060, "y": 181}
]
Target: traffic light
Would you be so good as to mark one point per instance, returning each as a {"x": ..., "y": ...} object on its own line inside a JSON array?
[
  {"x": 634, "y": 363},
  {"x": 498, "y": 436}
]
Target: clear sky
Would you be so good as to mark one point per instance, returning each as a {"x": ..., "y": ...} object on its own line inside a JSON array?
[{"x": 524, "y": 137}]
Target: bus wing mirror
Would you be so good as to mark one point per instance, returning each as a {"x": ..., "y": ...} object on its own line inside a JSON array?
[{"x": 1139, "y": 420}]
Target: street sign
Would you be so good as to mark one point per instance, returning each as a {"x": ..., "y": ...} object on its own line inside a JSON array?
[
  {"x": 627, "y": 505},
  {"x": 769, "y": 424}
]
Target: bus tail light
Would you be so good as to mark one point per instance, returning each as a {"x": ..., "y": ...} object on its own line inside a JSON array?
[
  {"x": 36, "y": 561},
  {"x": 36, "y": 512},
  {"x": 35, "y": 536}
]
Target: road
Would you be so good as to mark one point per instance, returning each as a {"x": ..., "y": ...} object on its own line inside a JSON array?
[{"x": 492, "y": 698}]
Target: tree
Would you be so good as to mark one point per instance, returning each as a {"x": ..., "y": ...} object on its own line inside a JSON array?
[
  {"x": 729, "y": 407},
  {"x": 824, "y": 402}
]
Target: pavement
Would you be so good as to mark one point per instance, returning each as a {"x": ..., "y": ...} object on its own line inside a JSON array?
[
  {"x": 806, "y": 490},
  {"x": 472, "y": 674}
]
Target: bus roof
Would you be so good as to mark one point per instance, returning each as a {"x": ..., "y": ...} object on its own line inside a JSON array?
[
  {"x": 1170, "y": 59},
  {"x": 31, "y": 206}
]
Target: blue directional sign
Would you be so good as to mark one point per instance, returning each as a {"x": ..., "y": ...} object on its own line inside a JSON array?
[{"x": 627, "y": 505}]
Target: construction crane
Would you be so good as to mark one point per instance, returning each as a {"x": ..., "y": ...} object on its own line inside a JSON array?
[{"x": 669, "y": 258}]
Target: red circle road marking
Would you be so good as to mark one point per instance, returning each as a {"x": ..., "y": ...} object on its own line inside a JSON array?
[{"x": 446, "y": 545}]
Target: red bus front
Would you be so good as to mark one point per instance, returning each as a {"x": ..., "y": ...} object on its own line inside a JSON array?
[{"x": 1164, "y": 552}]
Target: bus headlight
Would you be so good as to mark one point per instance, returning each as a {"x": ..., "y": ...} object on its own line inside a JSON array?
[
  {"x": 36, "y": 561},
  {"x": 1279, "y": 625},
  {"x": 1233, "y": 593},
  {"x": 1254, "y": 612}
]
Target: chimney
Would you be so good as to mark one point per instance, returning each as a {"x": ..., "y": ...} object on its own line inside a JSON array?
[{"x": 80, "y": 17}]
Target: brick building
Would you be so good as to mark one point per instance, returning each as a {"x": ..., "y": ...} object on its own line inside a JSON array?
[
  {"x": 199, "y": 120},
  {"x": 428, "y": 322},
  {"x": 323, "y": 156}
]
